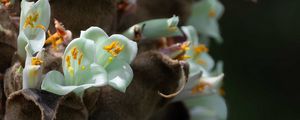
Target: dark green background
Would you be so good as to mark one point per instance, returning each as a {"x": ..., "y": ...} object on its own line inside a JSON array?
[{"x": 261, "y": 53}]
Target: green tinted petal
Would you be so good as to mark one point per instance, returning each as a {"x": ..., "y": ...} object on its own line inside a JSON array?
[
  {"x": 119, "y": 75},
  {"x": 22, "y": 42},
  {"x": 209, "y": 61},
  {"x": 212, "y": 107},
  {"x": 32, "y": 76},
  {"x": 194, "y": 68},
  {"x": 42, "y": 7},
  {"x": 130, "y": 48},
  {"x": 36, "y": 41},
  {"x": 214, "y": 81},
  {"x": 54, "y": 83},
  {"x": 96, "y": 34},
  {"x": 156, "y": 28},
  {"x": 78, "y": 71},
  {"x": 191, "y": 34},
  {"x": 205, "y": 24},
  {"x": 99, "y": 75},
  {"x": 127, "y": 54},
  {"x": 25, "y": 6}
]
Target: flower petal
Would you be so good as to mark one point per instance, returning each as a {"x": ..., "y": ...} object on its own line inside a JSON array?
[
  {"x": 156, "y": 28},
  {"x": 32, "y": 76},
  {"x": 191, "y": 34},
  {"x": 36, "y": 41},
  {"x": 42, "y": 7},
  {"x": 94, "y": 33},
  {"x": 78, "y": 56},
  {"x": 209, "y": 61},
  {"x": 120, "y": 75},
  {"x": 99, "y": 75},
  {"x": 130, "y": 48},
  {"x": 25, "y": 7},
  {"x": 54, "y": 82},
  {"x": 207, "y": 24},
  {"x": 211, "y": 107},
  {"x": 22, "y": 42}
]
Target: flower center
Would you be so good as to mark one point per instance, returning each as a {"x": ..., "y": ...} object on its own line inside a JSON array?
[
  {"x": 36, "y": 61},
  {"x": 114, "y": 48},
  {"x": 200, "y": 49},
  {"x": 212, "y": 13},
  {"x": 30, "y": 20},
  {"x": 184, "y": 47},
  {"x": 200, "y": 87},
  {"x": 75, "y": 55}
]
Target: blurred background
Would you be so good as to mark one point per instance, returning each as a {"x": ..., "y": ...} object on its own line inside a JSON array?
[{"x": 261, "y": 53}]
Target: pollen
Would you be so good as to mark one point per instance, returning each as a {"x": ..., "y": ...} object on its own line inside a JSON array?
[
  {"x": 71, "y": 71},
  {"x": 201, "y": 62},
  {"x": 82, "y": 67},
  {"x": 212, "y": 13},
  {"x": 200, "y": 88},
  {"x": 200, "y": 48},
  {"x": 68, "y": 61},
  {"x": 183, "y": 57},
  {"x": 30, "y": 20},
  {"x": 74, "y": 53},
  {"x": 36, "y": 61},
  {"x": 114, "y": 48},
  {"x": 80, "y": 59},
  {"x": 185, "y": 46}
]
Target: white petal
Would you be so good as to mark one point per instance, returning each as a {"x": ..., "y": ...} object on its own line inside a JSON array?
[
  {"x": 211, "y": 107},
  {"x": 120, "y": 75}
]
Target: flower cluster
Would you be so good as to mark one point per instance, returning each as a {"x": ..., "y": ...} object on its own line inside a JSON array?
[
  {"x": 92, "y": 60},
  {"x": 96, "y": 59}
]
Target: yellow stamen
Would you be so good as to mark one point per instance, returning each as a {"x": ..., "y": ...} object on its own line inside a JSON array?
[
  {"x": 200, "y": 48},
  {"x": 30, "y": 20},
  {"x": 201, "y": 62},
  {"x": 110, "y": 46},
  {"x": 71, "y": 71},
  {"x": 212, "y": 13},
  {"x": 119, "y": 49},
  {"x": 172, "y": 28},
  {"x": 200, "y": 87},
  {"x": 36, "y": 61},
  {"x": 185, "y": 46},
  {"x": 82, "y": 67},
  {"x": 114, "y": 48},
  {"x": 74, "y": 53},
  {"x": 41, "y": 27},
  {"x": 68, "y": 61},
  {"x": 80, "y": 58},
  {"x": 183, "y": 57}
]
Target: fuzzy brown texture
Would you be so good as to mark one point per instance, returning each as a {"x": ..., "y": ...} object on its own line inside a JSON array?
[
  {"x": 30, "y": 104},
  {"x": 71, "y": 107},
  {"x": 8, "y": 36},
  {"x": 77, "y": 15},
  {"x": 153, "y": 72},
  {"x": 33, "y": 104},
  {"x": 13, "y": 79}
]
